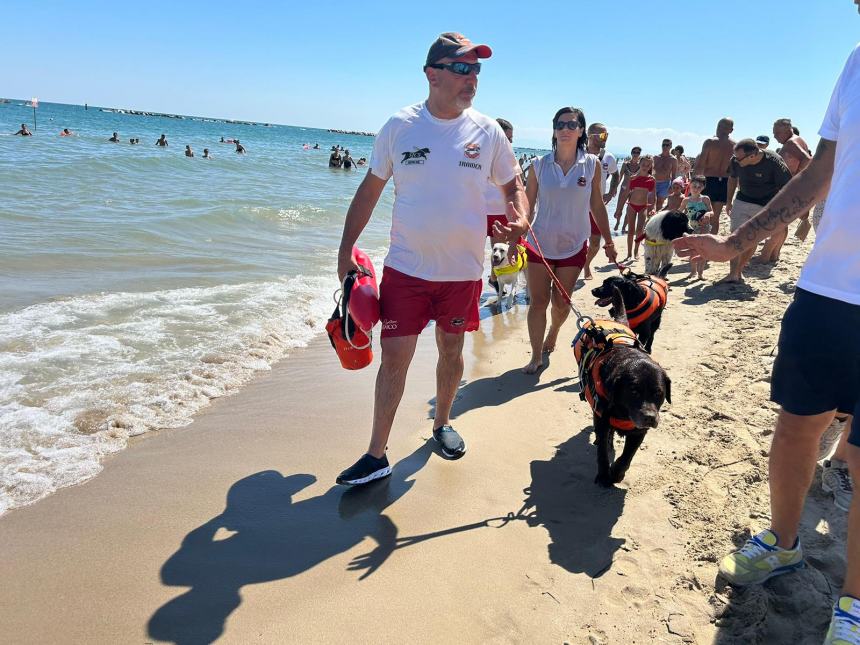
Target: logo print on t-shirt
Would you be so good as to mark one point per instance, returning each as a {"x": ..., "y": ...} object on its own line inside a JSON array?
[
  {"x": 581, "y": 181},
  {"x": 472, "y": 151},
  {"x": 417, "y": 156}
]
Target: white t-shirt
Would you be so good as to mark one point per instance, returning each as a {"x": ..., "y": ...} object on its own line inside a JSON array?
[
  {"x": 440, "y": 169},
  {"x": 609, "y": 165},
  {"x": 496, "y": 204},
  {"x": 833, "y": 266},
  {"x": 561, "y": 220}
]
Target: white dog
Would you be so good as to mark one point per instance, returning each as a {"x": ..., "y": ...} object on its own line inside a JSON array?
[
  {"x": 507, "y": 274},
  {"x": 660, "y": 230}
]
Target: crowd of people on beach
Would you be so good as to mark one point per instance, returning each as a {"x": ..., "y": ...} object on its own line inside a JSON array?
[{"x": 558, "y": 220}]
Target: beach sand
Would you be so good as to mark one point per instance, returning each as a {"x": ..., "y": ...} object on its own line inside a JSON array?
[{"x": 232, "y": 527}]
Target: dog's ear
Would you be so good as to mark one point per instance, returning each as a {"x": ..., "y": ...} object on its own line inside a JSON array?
[
  {"x": 619, "y": 311},
  {"x": 668, "y": 383}
]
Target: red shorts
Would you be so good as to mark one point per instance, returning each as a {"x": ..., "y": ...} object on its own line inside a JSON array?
[
  {"x": 492, "y": 219},
  {"x": 407, "y": 304},
  {"x": 595, "y": 229},
  {"x": 577, "y": 260}
]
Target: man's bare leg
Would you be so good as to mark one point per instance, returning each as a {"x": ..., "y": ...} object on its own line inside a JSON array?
[
  {"x": 715, "y": 220},
  {"x": 736, "y": 267},
  {"x": 397, "y": 354},
  {"x": 593, "y": 248},
  {"x": 449, "y": 371},
  {"x": 772, "y": 246},
  {"x": 560, "y": 309},
  {"x": 793, "y": 455}
]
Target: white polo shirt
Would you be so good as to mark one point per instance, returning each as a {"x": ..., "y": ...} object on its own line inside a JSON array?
[
  {"x": 833, "y": 266},
  {"x": 440, "y": 169}
]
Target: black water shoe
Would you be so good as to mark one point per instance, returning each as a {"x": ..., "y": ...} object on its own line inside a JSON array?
[
  {"x": 450, "y": 442},
  {"x": 364, "y": 471}
]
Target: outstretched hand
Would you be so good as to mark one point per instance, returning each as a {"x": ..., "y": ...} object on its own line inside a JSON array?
[
  {"x": 704, "y": 247},
  {"x": 515, "y": 228},
  {"x": 611, "y": 253}
]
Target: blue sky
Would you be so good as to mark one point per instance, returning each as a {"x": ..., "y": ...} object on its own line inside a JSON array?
[{"x": 647, "y": 70}]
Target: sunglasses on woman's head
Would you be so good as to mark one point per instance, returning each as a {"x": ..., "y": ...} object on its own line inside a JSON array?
[
  {"x": 463, "y": 69},
  {"x": 570, "y": 125}
]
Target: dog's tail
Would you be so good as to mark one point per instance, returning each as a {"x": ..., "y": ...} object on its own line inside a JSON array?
[
  {"x": 619, "y": 312},
  {"x": 664, "y": 271}
]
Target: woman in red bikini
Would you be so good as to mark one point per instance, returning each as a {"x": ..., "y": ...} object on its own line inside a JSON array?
[{"x": 641, "y": 200}]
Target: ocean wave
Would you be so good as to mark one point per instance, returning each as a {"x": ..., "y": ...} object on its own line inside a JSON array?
[{"x": 82, "y": 375}]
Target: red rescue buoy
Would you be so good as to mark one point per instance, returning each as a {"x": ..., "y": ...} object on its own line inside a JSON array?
[{"x": 364, "y": 295}]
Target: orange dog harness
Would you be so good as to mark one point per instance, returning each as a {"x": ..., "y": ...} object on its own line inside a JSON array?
[
  {"x": 591, "y": 347},
  {"x": 656, "y": 296}
]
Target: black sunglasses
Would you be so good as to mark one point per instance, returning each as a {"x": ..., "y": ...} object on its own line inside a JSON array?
[
  {"x": 570, "y": 125},
  {"x": 666, "y": 145},
  {"x": 636, "y": 152},
  {"x": 463, "y": 69}
]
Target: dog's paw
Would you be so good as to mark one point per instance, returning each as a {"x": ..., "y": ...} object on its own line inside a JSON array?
[
  {"x": 604, "y": 480},
  {"x": 616, "y": 475}
]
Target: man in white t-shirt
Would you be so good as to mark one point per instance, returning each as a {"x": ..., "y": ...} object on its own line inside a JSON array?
[
  {"x": 441, "y": 154},
  {"x": 817, "y": 371},
  {"x": 597, "y": 137}
]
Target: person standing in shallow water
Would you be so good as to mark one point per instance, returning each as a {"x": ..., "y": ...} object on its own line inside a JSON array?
[
  {"x": 188, "y": 151},
  {"x": 162, "y": 141},
  {"x": 435, "y": 262},
  {"x": 564, "y": 187}
]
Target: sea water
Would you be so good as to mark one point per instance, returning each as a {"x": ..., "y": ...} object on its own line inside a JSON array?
[{"x": 137, "y": 284}]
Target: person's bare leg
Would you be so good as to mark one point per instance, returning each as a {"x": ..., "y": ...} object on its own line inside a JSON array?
[
  {"x": 770, "y": 249},
  {"x": 397, "y": 354},
  {"x": 715, "y": 220},
  {"x": 631, "y": 231},
  {"x": 539, "y": 284},
  {"x": 736, "y": 267},
  {"x": 449, "y": 371},
  {"x": 640, "y": 228},
  {"x": 560, "y": 309},
  {"x": 619, "y": 207},
  {"x": 593, "y": 248},
  {"x": 793, "y": 455},
  {"x": 851, "y": 586}
]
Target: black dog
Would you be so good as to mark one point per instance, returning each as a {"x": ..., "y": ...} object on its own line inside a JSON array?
[
  {"x": 634, "y": 294},
  {"x": 634, "y": 388}
]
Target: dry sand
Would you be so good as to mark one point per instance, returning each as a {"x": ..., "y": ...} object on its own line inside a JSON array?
[{"x": 232, "y": 528}]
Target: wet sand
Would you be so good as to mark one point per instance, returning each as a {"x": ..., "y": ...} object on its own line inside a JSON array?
[{"x": 232, "y": 527}]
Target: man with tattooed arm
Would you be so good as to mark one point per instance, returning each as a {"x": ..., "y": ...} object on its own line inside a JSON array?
[{"x": 812, "y": 379}]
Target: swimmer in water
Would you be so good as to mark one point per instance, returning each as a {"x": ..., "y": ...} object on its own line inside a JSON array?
[
  {"x": 24, "y": 131},
  {"x": 67, "y": 133},
  {"x": 136, "y": 140},
  {"x": 162, "y": 142},
  {"x": 206, "y": 153},
  {"x": 240, "y": 149},
  {"x": 114, "y": 138},
  {"x": 188, "y": 151},
  {"x": 222, "y": 140},
  {"x": 348, "y": 161},
  {"x": 131, "y": 142}
]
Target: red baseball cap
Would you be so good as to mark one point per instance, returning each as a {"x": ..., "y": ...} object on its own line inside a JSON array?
[{"x": 453, "y": 45}]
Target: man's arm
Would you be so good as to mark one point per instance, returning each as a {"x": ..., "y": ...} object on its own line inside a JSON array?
[
  {"x": 613, "y": 187},
  {"x": 792, "y": 149},
  {"x": 805, "y": 189},
  {"x": 357, "y": 218},
  {"x": 702, "y": 158},
  {"x": 598, "y": 209},
  {"x": 517, "y": 211}
]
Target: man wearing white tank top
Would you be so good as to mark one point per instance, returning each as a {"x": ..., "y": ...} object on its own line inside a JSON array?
[
  {"x": 441, "y": 154},
  {"x": 817, "y": 370}
]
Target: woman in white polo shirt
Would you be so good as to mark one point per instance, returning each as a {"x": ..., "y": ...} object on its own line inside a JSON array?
[{"x": 562, "y": 187}]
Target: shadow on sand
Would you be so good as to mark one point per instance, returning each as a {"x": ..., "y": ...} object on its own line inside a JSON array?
[
  {"x": 268, "y": 536},
  {"x": 577, "y": 514}
]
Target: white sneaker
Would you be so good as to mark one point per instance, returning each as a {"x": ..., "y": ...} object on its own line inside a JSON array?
[
  {"x": 836, "y": 479},
  {"x": 830, "y": 438},
  {"x": 845, "y": 623}
]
